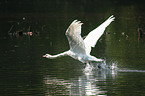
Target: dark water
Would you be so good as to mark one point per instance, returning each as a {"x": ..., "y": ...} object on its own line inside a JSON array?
[{"x": 24, "y": 71}]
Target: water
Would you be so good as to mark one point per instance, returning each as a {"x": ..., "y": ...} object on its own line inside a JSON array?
[{"x": 24, "y": 71}]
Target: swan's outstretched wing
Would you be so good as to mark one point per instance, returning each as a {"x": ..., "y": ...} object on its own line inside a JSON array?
[
  {"x": 93, "y": 36},
  {"x": 73, "y": 34}
]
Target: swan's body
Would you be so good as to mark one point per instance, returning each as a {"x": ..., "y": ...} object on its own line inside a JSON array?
[{"x": 80, "y": 49}]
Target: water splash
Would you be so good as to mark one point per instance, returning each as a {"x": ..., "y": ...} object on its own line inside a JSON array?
[
  {"x": 100, "y": 66},
  {"x": 88, "y": 68},
  {"x": 107, "y": 66},
  {"x": 130, "y": 70}
]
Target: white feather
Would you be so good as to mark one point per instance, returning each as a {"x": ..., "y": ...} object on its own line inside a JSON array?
[{"x": 94, "y": 35}]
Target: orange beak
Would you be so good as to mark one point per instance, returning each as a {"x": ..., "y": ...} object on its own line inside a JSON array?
[{"x": 44, "y": 55}]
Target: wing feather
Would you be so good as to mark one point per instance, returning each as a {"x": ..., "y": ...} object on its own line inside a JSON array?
[
  {"x": 93, "y": 36},
  {"x": 73, "y": 34}
]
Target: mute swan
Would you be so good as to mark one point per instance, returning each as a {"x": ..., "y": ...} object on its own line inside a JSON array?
[{"x": 80, "y": 49}]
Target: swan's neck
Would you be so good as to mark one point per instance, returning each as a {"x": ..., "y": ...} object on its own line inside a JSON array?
[{"x": 59, "y": 55}]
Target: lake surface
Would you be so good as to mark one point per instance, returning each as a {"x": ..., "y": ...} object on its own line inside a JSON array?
[{"x": 24, "y": 71}]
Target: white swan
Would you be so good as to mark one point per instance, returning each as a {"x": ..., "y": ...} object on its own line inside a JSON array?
[{"x": 80, "y": 49}]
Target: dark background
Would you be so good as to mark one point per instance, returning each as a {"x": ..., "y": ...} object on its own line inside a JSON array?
[{"x": 45, "y": 6}]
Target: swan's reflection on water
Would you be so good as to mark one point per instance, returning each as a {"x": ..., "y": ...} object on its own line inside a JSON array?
[
  {"x": 86, "y": 84},
  {"x": 56, "y": 86}
]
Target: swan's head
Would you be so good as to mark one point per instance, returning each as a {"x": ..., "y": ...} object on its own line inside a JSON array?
[{"x": 47, "y": 55}]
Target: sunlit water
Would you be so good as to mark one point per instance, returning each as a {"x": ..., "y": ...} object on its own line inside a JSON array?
[{"x": 25, "y": 72}]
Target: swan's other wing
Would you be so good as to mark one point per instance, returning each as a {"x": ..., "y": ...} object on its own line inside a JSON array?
[
  {"x": 93, "y": 36},
  {"x": 73, "y": 34}
]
